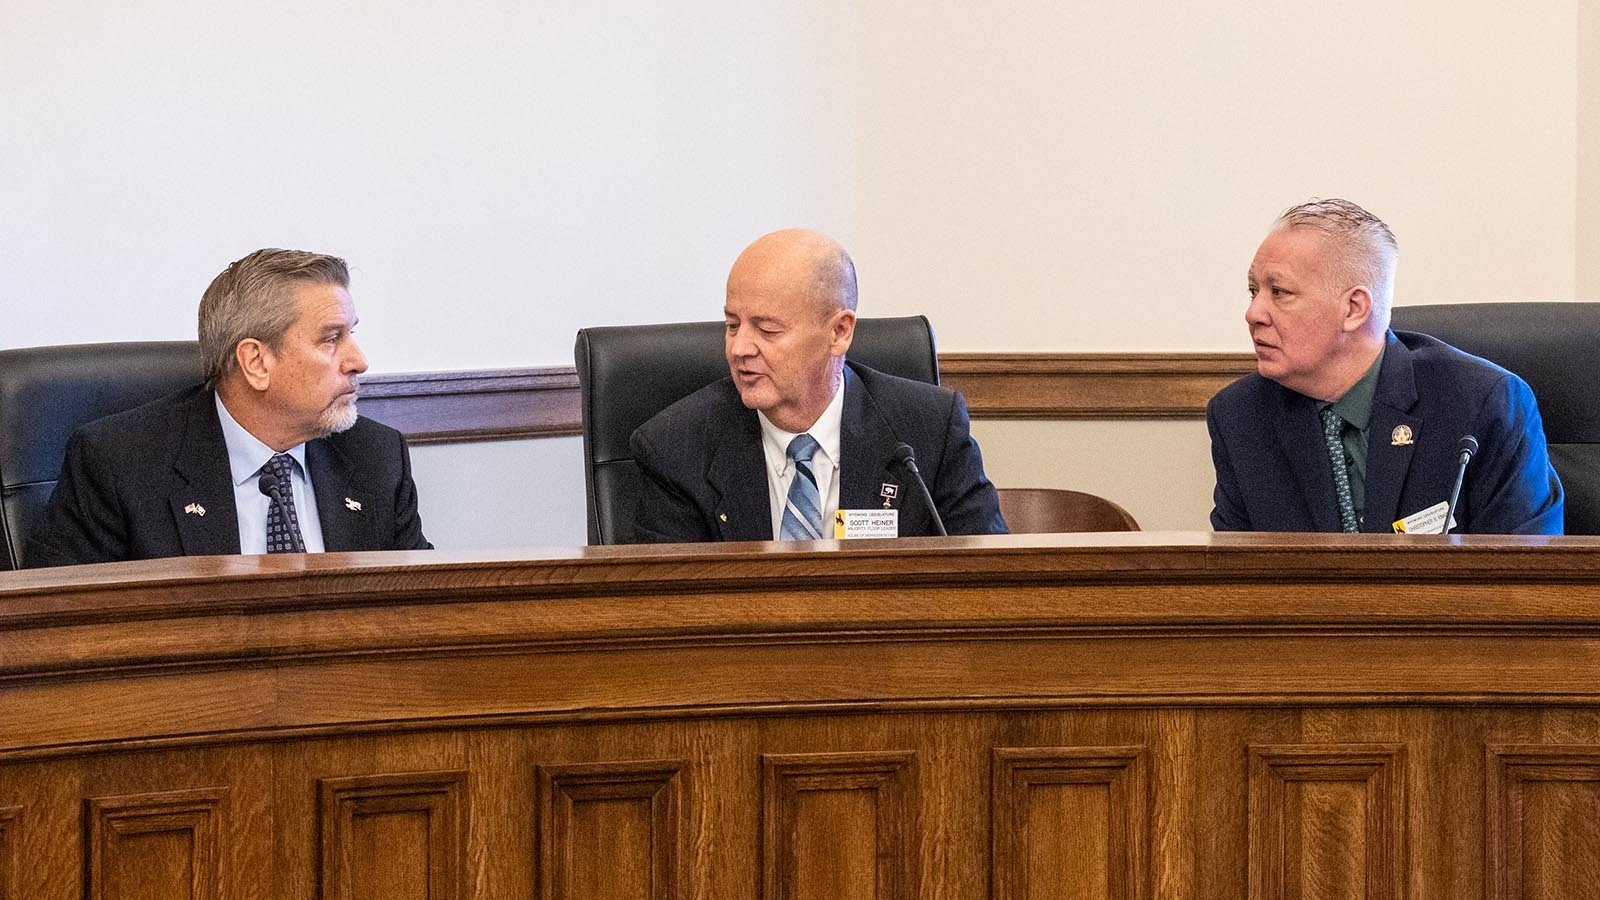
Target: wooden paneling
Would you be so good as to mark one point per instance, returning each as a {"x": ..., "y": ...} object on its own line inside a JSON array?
[
  {"x": 442, "y": 407},
  {"x": 1544, "y": 822},
  {"x": 1071, "y": 823},
  {"x": 1185, "y": 717},
  {"x": 155, "y": 846},
  {"x": 8, "y": 852},
  {"x": 394, "y": 837},
  {"x": 838, "y": 825},
  {"x": 1091, "y": 385},
  {"x": 1327, "y": 822},
  {"x": 612, "y": 831}
]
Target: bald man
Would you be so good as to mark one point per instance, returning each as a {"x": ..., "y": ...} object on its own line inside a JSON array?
[
  {"x": 795, "y": 433},
  {"x": 1348, "y": 426}
]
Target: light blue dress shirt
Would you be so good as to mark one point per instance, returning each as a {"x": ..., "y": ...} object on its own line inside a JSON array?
[{"x": 246, "y": 456}]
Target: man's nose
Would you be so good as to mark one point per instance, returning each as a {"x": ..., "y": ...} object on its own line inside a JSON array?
[
  {"x": 1256, "y": 313},
  {"x": 354, "y": 360},
  {"x": 740, "y": 344}
]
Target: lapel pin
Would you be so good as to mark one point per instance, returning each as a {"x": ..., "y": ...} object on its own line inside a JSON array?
[
  {"x": 722, "y": 516},
  {"x": 352, "y": 505},
  {"x": 195, "y": 509},
  {"x": 1401, "y": 436},
  {"x": 888, "y": 492}
]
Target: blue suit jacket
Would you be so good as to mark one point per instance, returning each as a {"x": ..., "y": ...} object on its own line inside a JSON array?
[
  {"x": 129, "y": 478},
  {"x": 1272, "y": 464},
  {"x": 705, "y": 475}
]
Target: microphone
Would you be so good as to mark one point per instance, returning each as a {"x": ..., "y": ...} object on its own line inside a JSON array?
[
  {"x": 906, "y": 458},
  {"x": 270, "y": 487},
  {"x": 1467, "y": 446}
]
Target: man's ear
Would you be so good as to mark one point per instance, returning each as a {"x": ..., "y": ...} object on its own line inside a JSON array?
[
  {"x": 255, "y": 363},
  {"x": 844, "y": 331},
  {"x": 1357, "y": 308}
]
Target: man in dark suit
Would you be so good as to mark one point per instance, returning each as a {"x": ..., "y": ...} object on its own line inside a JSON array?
[
  {"x": 1349, "y": 426},
  {"x": 795, "y": 434},
  {"x": 268, "y": 455}
]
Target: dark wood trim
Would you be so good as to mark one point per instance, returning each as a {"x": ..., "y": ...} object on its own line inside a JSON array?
[
  {"x": 497, "y": 404},
  {"x": 1091, "y": 385}
]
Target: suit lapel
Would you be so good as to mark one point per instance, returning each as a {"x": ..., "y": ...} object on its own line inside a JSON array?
[
  {"x": 345, "y": 503},
  {"x": 1301, "y": 441},
  {"x": 867, "y": 446},
  {"x": 738, "y": 474},
  {"x": 201, "y": 497},
  {"x": 1393, "y": 405}
]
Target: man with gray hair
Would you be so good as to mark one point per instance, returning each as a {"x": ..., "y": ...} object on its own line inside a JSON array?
[
  {"x": 1348, "y": 426},
  {"x": 267, "y": 456},
  {"x": 796, "y": 438}
]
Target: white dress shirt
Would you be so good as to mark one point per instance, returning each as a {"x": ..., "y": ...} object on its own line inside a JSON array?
[
  {"x": 246, "y": 456},
  {"x": 824, "y": 465}
]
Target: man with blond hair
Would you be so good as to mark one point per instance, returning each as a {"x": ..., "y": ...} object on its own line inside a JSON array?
[
  {"x": 1348, "y": 426},
  {"x": 796, "y": 434},
  {"x": 268, "y": 455}
]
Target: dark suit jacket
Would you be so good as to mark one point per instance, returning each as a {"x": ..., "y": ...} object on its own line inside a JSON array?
[
  {"x": 1273, "y": 472},
  {"x": 705, "y": 475},
  {"x": 129, "y": 478}
]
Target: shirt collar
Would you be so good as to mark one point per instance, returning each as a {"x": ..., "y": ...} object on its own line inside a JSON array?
[
  {"x": 1355, "y": 406},
  {"x": 825, "y": 431},
  {"x": 246, "y": 454}
]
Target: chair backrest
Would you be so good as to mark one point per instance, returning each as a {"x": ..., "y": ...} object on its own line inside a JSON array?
[
  {"x": 1055, "y": 510},
  {"x": 1551, "y": 346},
  {"x": 47, "y": 392},
  {"x": 628, "y": 373}
]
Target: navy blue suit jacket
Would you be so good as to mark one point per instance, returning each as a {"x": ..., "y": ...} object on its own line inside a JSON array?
[
  {"x": 128, "y": 480},
  {"x": 1273, "y": 472},
  {"x": 705, "y": 475}
]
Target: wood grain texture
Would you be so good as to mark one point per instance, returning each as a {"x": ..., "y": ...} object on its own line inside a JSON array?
[
  {"x": 1328, "y": 822},
  {"x": 155, "y": 846},
  {"x": 399, "y": 836},
  {"x": 8, "y": 851},
  {"x": 898, "y": 672},
  {"x": 1071, "y": 822},
  {"x": 496, "y": 404},
  {"x": 612, "y": 831},
  {"x": 1543, "y": 806},
  {"x": 839, "y": 825}
]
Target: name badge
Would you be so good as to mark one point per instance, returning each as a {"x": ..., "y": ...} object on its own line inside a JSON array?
[
  {"x": 850, "y": 524},
  {"x": 1428, "y": 521}
]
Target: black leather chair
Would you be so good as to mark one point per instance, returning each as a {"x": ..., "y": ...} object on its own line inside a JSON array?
[
  {"x": 47, "y": 392},
  {"x": 1550, "y": 345},
  {"x": 628, "y": 373}
]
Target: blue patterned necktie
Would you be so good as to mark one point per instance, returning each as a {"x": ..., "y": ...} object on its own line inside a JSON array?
[
  {"x": 802, "y": 512},
  {"x": 283, "y": 526},
  {"x": 1332, "y": 429}
]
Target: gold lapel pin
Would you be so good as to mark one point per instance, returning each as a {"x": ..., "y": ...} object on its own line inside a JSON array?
[
  {"x": 1401, "y": 437},
  {"x": 352, "y": 505},
  {"x": 722, "y": 516},
  {"x": 195, "y": 509}
]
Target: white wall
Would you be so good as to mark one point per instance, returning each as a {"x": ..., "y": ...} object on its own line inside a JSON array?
[{"x": 1039, "y": 175}]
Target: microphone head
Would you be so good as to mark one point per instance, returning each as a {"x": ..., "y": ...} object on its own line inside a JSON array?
[
  {"x": 1468, "y": 445},
  {"x": 267, "y": 484},
  {"x": 903, "y": 455}
]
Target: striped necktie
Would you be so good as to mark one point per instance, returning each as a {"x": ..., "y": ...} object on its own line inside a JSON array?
[{"x": 802, "y": 511}]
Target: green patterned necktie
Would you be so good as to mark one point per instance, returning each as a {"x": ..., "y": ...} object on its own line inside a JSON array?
[{"x": 1332, "y": 428}]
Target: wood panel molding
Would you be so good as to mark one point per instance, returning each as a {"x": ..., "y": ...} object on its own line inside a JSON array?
[
  {"x": 401, "y": 836},
  {"x": 8, "y": 852},
  {"x": 839, "y": 825},
  {"x": 1327, "y": 821},
  {"x": 1080, "y": 815},
  {"x": 155, "y": 845},
  {"x": 498, "y": 404},
  {"x": 613, "y": 829},
  {"x": 1543, "y": 822}
]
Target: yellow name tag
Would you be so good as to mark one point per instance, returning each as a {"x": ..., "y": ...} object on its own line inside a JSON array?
[
  {"x": 850, "y": 524},
  {"x": 1428, "y": 521}
]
